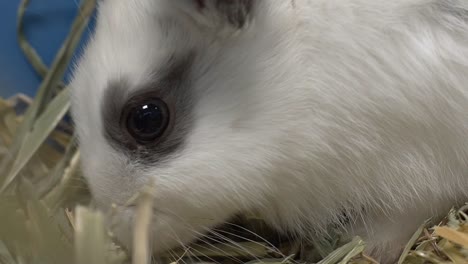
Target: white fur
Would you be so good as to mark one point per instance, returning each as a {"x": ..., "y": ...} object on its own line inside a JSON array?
[{"x": 315, "y": 108}]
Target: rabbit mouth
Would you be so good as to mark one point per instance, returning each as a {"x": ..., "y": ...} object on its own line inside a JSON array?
[
  {"x": 241, "y": 235},
  {"x": 240, "y": 238},
  {"x": 247, "y": 237}
]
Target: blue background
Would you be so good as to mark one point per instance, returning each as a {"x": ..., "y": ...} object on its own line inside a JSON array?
[{"x": 47, "y": 23}]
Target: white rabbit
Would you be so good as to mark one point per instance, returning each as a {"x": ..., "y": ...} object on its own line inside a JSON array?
[{"x": 301, "y": 111}]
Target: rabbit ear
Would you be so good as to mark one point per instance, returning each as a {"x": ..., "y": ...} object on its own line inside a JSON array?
[
  {"x": 215, "y": 13},
  {"x": 234, "y": 12}
]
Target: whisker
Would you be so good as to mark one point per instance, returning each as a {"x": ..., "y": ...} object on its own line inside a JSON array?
[
  {"x": 202, "y": 238},
  {"x": 181, "y": 258},
  {"x": 187, "y": 249},
  {"x": 236, "y": 244},
  {"x": 224, "y": 240},
  {"x": 272, "y": 247},
  {"x": 215, "y": 248}
]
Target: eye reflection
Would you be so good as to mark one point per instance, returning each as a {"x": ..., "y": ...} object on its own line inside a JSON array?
[{"x": 147, "y": 120}]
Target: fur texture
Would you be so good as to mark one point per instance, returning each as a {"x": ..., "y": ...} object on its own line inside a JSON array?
[{"x": 302, "y": 110}]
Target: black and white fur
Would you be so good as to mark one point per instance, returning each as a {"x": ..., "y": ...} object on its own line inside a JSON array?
[{"x": 297, "y": 110}]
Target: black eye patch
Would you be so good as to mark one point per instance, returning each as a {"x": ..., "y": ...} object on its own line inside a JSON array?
[{"x": 151, "y": 123}]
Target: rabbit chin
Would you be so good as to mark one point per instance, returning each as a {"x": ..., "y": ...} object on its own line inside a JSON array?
[{"x": 167, "y": 232}]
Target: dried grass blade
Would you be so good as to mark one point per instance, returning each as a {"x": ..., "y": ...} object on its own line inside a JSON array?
[
  {"x": 241, "y": 250},
  {"x": 53, "y": 77},
  {"x": 30, "y": 53},
  {"x": 90, "y": 237},
  {"x": 142, "y": 227},
  {"x": 56, "y": 174},
  {"x": 34, "y": 139},
  {"x": 452, "y": 235},
  {"x": 342, "y": 252},
  {"x": 68, "y": 187},
  {"x": 357, "y": 249},
  {"x": 411, "y": 242}
]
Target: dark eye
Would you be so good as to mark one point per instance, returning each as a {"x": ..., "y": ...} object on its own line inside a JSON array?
[{"x": 146, "y": 120}]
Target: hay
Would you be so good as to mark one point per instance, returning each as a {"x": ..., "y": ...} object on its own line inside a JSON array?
[{"x": 47, "y": 216}]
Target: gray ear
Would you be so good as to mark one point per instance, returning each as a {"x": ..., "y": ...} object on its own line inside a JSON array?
[{"x": 234, "y": 12}]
